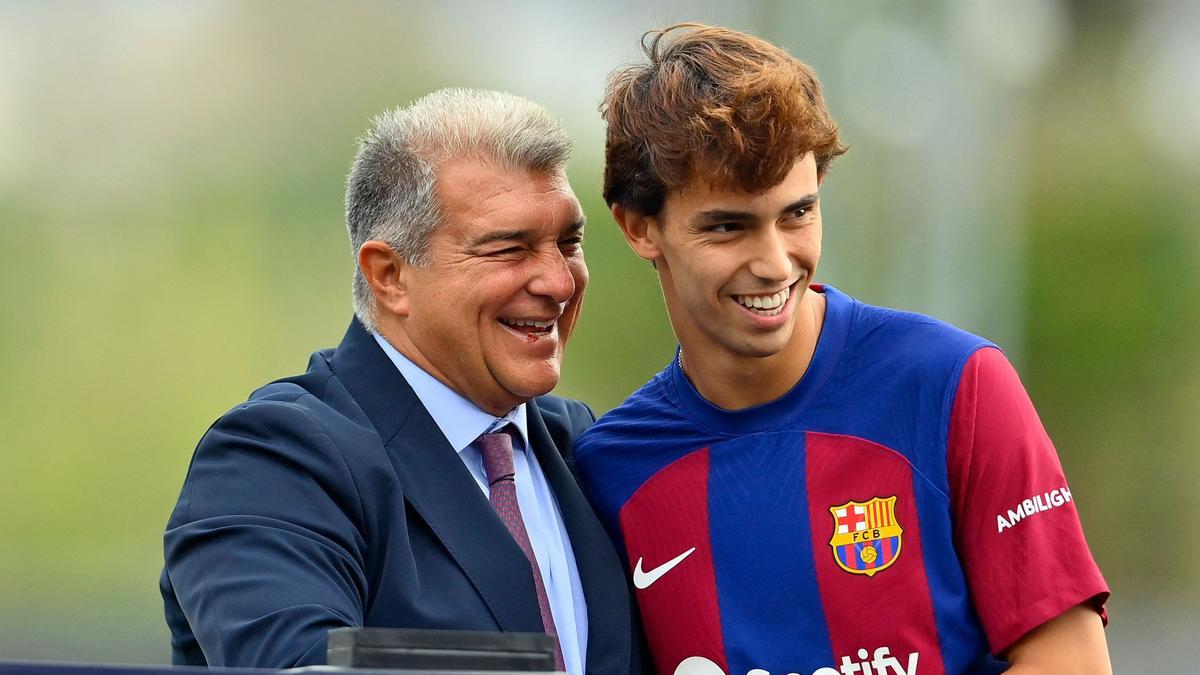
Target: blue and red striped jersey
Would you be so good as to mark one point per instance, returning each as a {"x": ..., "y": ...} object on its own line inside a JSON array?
[{"x": 900, "y": 510}]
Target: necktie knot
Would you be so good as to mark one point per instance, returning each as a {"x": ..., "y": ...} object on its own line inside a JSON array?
[{"x": 497, "y": 451}]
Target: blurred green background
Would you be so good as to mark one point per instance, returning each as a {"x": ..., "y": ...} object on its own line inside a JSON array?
[{"x": 171, "y": 179}]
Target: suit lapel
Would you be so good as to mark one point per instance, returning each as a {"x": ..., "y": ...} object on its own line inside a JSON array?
[
  {"x": 438, "y": 485},
  {"x": 600, "y": 571},
  {"x": 441, "y": 489}
]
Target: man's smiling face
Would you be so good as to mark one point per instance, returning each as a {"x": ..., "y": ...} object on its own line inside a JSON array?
[
  {"x": 491, "y": 312},
  {"x": 735, "y": 264}
]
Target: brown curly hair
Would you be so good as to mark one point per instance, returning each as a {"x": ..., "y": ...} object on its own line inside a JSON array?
[{"x": 711, "y": 102}]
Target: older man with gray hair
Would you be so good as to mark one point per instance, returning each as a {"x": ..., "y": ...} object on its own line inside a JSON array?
[{"x": 415, "y": 475}]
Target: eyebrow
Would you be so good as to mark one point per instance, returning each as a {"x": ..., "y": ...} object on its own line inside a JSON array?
[
  {"x": 725, "y": 215},
  {"x": 522, "y": 234}
]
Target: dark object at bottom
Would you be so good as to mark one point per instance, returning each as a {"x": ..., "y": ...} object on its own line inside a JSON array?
[{"x": 440, "y": 649}]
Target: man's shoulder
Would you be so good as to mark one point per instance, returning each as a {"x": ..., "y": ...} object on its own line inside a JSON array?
[
  {"x": 566, "y": 419},
  {"x": 912, "y": 327},
  {"x": 646, "y": 432},
  {"x": 897, "y": 341},
  {"x": 312, "y": 382},
  {"x": 568, "y": 411},
  {"x": 314, "y": 399},
  {"x": 633, "y": 442},
  {"x": 652, "y": 404}
]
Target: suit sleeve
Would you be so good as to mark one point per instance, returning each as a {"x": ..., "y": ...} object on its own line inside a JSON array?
[
  {"x": 1017, "y": 531},
  {"x": 264, "y": 549}
]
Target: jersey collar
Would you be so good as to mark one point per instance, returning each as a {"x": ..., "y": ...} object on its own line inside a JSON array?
[{"x": 839, "y": 309}]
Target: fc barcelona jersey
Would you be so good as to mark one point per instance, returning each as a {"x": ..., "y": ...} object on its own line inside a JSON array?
[{"x": 901, "y": 510}]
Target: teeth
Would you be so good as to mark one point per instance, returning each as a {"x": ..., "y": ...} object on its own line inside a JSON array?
[
  {"x": 528, "y": 322},
  {"x": 764, "y": 302}
]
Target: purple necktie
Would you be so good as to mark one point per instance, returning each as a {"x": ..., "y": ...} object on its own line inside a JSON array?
[{"x": 497, "y": 452}]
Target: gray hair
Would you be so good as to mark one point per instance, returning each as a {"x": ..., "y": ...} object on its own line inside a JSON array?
[{"x": 391, "y": 193}]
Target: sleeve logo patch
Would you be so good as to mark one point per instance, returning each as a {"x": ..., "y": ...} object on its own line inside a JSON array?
[
  {"x": 1034, "y": 505},
  {"x": 866, "y": 537}
]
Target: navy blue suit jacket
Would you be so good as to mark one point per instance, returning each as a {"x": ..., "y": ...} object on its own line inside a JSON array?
[{"x": 332, "y": 499}]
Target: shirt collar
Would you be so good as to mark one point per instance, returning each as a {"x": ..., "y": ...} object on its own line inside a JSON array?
[{"x": 460, "y": 420}]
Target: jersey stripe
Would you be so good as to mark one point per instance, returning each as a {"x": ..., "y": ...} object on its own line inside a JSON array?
[
  {"x": 892, "y": 608},
  {"x": 665, "y": 517},
  {"x": 768, "y": 595}
]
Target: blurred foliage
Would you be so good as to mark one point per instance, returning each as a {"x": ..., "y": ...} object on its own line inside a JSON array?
[
  {"x": 171, "y": 238},
  {"x": 1114, "y": 307}
]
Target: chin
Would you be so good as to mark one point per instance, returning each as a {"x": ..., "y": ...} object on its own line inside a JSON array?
[
  {"x": 762, "y": 348},
  {"x": 529, "y": 385},
  {"x": 759, "y": 353}
]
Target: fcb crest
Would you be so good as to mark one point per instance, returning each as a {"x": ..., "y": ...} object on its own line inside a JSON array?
[{"x": 866, "y": 537}]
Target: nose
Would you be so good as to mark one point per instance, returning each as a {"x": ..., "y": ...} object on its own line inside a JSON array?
[
  {"x": 554, "y": 276},
  {"x": 771, "y": 261}
]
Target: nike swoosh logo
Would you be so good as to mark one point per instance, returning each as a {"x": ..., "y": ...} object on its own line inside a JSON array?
[{"x": 642, "y": 580}]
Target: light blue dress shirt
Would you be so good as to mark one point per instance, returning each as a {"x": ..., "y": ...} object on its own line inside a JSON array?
[{"x": 461, "y": 422}]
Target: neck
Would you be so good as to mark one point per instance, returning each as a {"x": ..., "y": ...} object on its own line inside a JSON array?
[
  {"x": 497, "y": 405},
  {"x": 735, "y": 382}
]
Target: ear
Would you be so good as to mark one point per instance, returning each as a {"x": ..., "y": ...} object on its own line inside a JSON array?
[
  {"x": 386, "y": 272},
  {"x": 640, "y": 231}
]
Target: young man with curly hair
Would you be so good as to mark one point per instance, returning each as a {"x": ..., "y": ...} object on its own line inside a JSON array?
[{"x": 814, "y": 485}]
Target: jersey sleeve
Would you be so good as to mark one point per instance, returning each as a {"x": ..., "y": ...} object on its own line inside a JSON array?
[{"x": 1017, "y": 531}]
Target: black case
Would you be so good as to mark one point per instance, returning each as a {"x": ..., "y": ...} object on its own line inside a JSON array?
[{"x": 415, "y": 649}]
